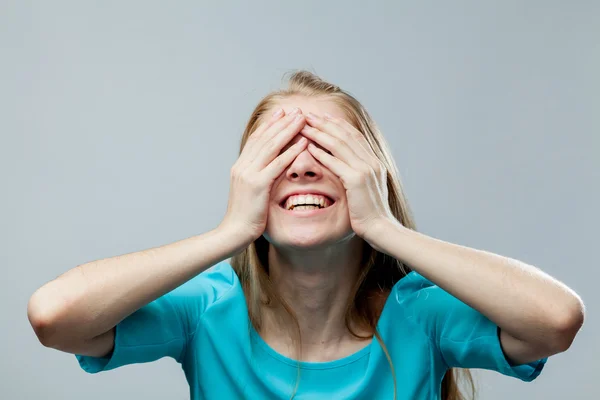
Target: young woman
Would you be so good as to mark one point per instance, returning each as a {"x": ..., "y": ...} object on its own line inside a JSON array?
[{"x": 316, "y": 285}]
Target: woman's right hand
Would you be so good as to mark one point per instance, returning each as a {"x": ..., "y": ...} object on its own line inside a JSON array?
[{"x": 259, "y": 165}]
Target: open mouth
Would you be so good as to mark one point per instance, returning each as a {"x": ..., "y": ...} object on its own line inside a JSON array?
[{"x": 306, "y": 202}]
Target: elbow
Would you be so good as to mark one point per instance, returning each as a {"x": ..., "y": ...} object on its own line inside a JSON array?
[
  {"x": 568, "y": 325},
  {"x": 42, "y": 318}
]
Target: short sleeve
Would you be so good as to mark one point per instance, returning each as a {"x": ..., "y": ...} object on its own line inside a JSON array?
[
  {"x": 464, "y": 337},
  {"x": 163, "y": 327}
]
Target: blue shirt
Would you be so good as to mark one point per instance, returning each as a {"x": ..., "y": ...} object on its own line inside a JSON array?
[{"x": 204, "y": 325}]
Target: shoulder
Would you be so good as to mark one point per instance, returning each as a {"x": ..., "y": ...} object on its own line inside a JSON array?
[
  {"x": 416, "y": 298},
  {"x": 206, "y": 288},
  {"x": 461, "y": 335},
  {"x": 411, "y": 287},
  {"x": 416, "y": 291}
]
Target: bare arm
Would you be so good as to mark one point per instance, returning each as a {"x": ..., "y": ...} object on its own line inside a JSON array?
[
  {"x": 538, "y": 316},
  {"x": 77, "y": 311}
]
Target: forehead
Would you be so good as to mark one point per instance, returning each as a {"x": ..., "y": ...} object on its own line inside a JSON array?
[{"x": 315, "y": 105}]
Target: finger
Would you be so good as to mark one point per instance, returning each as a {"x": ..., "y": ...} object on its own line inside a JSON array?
[
  {"x": 368, "y": 154},
  {"x": 269, "y": 129},
  {"x": 282, "y": 161},
  {"x": 344, "y": 132},
  {"x": 337, "y": 147},
  {"x": 262, "y": 127},
  {"x": 355, "y": 133},
  {"x": 253, "y": 142},
  {"x": 274, "y": 130},
  {"x": 337, "y": 166},
  {"x": 276, "y": 143},
  {"x": 276, "y": 116}
]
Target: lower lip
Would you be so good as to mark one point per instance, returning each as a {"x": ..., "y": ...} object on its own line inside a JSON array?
[{"x": 307, "y": 213}]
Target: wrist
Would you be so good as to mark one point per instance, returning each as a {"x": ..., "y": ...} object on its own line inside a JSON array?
[
  {"x": 380, "y": 231},
  {"x": 237, "y": 237}
]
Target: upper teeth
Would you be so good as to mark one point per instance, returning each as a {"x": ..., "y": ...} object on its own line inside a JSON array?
[{"x": 307, "y": 199}]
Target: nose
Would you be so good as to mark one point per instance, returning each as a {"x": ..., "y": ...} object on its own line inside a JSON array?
[{"x": 305, "y": 168}]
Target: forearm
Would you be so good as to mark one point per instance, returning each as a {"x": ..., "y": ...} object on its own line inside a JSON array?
[
  {"x": 522, "y": 300},
  {"x": 92, "y": 298}
]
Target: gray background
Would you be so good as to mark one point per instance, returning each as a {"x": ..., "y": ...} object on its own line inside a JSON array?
[{"x": 120, "y": 121}]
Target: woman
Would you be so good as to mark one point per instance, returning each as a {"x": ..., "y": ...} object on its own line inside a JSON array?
[{"x": 316, "y": 284}]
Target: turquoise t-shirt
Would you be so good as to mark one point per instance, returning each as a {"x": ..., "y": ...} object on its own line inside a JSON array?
[{"x": 204, "y": 325}]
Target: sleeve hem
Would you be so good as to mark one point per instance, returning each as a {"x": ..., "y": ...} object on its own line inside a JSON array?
[
  {"x": 92, "y": 365},
  {"x": 526, "y": 372}
]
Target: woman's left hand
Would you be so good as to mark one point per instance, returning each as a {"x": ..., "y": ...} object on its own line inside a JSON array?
[{"x": 363, "y": 175}]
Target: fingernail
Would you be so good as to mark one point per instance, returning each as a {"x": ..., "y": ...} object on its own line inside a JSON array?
[
  {"x": 298, "y": 117},
  {"x": 328, "y": 116},
  {"x": 310, "y": 116},
  {"x": 278, "y": 112},
  {"x": 295, "y": 111}
]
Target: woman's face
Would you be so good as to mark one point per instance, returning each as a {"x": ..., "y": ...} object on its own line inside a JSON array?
[{"x": 308, "y": 207}]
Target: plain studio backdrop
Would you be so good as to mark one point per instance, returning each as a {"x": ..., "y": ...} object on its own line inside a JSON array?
[{"x": 120, "y": 121}]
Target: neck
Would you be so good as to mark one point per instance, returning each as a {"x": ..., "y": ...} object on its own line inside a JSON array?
[{"x": 316, "y": 284}]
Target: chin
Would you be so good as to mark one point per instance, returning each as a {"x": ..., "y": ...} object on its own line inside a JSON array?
[
  {"x": 299, "y": 242},
  {"x": 308, "y": 229},
  {"x": 306, "y": 238}
]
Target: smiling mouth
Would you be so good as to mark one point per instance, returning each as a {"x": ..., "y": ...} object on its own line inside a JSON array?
[{"x": 306, "y": 202}]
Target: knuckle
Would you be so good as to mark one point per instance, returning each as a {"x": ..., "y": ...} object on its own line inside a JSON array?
[
  {"x": 356, "y": 134},
  {"x": 277, "y": 160},
  {"x": 254, "y": 136},
  {"x": 268, "y": 123},
  {"x": 329, "y": 123},
  {"x": 250, "y": 142},
  {"x": 365, "y": 173},
  {"x": 254, "y": 182},
  {"x": 290, "y": 129},
  {"x": 355, "y": 180},
  {"x": 365, "y": 178},
  {"x": 278, "y": 163},
  {"x": 271, "y": 146}
]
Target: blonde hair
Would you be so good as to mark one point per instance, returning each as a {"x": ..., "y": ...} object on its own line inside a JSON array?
[{"x": 378, "y": 273}]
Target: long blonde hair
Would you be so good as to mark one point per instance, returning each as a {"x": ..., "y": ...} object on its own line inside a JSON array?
[{"x": 378, "y": 273}]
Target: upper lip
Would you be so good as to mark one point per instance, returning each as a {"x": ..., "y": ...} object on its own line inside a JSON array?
[{"x": 284, "y": 198}]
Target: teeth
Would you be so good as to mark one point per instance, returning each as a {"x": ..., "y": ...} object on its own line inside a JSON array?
[
  {"x": 308, "y": 201},
  {"x": 300, "y": 208}
]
